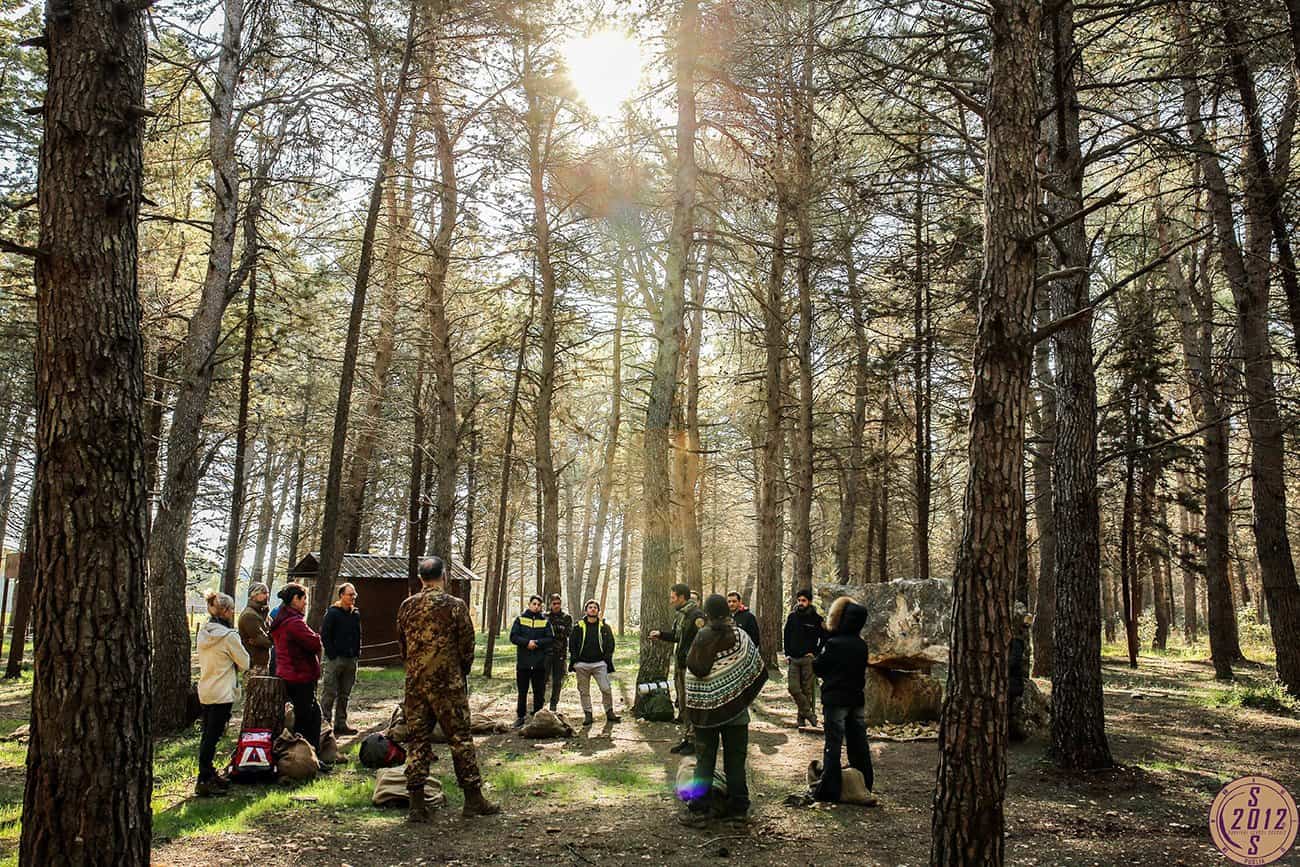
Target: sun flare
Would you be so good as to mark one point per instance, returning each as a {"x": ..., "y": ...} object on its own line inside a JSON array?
[{"x": 605, "y": 69}]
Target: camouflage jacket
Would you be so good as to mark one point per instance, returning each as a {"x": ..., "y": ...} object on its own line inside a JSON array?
[
  {"x": 686, "y": 624},
  {"x": 435, "y": 637},
  {"x": 562, "y": 627}
]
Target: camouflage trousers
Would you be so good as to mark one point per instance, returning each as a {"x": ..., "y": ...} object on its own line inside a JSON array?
[{"x": 448, "y": 707}]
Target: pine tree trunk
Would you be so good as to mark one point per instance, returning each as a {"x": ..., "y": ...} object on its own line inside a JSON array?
[
  {"x": 16, "y": 443},
  {"x": 611, "y": 436},
  {"x": 500, "y": 570},
  {"x": 169, "y": 535},
  {"x": 1042, "y": 421},
  {"x": 768, "y": 595},
  {"x": 238, "y": 487},
  {"x": 656, "y": 574},
  {"x": 331, "y": 535},
  {"x": 265, "y": 516},
  {"x": 968, "y": 821},
  {"x": 89, "y": 775},
  {"x": 853, "y": 480},
  {"x": 442, "y": 362},
  {"x": 802, "y": 450},
  {"x": 371, "y": 421},
  {"x": 1195, "y": 311},
  {"x": 24, "y": 593},
  {"x": 264, "y": 700},
  {"x": 622, "y": 573},
  {"x": 1247, "y": 271}
]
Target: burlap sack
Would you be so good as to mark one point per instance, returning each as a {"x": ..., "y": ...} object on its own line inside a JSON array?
[
  {"x": 329, "y": 746},
  {"x": 853, "y": 786},
  {"x": 545, "y": 724},
  {"x": 390, "y": 790},
  {"x": 294, "y": 757},
  {"x": 685, "y": 787}
]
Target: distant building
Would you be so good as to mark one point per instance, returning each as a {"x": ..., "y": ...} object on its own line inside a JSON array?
[{"x": 382, "y": 584}]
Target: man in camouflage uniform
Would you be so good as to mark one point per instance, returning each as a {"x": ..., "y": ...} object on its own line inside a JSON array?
[
  {"x": 436, "y": 640},
  {"x": 686, "y": 624},
  {"x": 557, "y": 663}
]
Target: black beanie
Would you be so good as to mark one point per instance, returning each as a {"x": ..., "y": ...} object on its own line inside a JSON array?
[{"x": 716, "y": 607}]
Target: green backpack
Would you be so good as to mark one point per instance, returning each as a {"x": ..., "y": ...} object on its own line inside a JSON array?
[{"x": 657, "y": 706}]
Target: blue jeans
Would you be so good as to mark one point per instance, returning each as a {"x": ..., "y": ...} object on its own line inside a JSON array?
[{"x": 843, "y": 724}]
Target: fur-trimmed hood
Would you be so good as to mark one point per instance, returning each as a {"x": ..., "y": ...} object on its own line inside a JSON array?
[{"x": 846, "y": 617}]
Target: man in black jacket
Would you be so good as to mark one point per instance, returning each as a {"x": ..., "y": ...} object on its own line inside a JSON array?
[
  {"x": 743, "y": 617},
  {"x": 556, "y": 667},
  {"x": 803, "y": 641},
  {"x": 592, "y": 649},
  {"x": 340, "y": 638},
  {"x": 842, "y": 666},
  {"x": 532, "y": 636}
]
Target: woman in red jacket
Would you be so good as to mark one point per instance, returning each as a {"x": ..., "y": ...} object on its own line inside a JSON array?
[{"x": 297, "y": 660}]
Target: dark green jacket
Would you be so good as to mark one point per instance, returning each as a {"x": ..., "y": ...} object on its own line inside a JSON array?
[{"x": 686, "y": 624}]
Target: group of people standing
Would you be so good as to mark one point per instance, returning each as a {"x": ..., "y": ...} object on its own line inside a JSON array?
[
  {"x": 550, "y": 645},
  {"x": 281, "y": 644},
  {"x": 718, "y": 672}
]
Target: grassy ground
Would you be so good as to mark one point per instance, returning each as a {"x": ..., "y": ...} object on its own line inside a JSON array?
[{"x": 605, "y": 796}]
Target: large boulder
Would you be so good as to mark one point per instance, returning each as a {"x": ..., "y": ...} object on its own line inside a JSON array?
[
  {"x": 908, "y": 621},
  {"x": 902, "y": 696}
]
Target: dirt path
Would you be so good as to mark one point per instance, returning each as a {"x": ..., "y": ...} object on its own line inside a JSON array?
[{"x": 604, "y": 797}]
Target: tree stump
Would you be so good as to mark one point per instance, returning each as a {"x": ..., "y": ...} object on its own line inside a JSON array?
[{"x": 264, "y": 704}]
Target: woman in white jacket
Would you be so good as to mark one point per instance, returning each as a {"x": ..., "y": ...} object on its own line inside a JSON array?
[{"x": 221, "y": 657}]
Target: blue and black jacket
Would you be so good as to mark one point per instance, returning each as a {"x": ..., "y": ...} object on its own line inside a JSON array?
[{"x": 531, "y": 627}]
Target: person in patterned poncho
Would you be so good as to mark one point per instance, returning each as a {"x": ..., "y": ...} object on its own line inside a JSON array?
[{"x": 724, "y": 674}]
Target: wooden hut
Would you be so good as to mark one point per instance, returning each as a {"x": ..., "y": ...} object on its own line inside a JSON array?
[{"x": 382, "y": 584}]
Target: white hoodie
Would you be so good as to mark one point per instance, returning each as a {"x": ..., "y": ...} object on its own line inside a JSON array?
[{"x": 221, "y": 657}]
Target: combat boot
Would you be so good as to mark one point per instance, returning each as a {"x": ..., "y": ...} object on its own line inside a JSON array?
[
  {"x": 477, "y": 805},
  {"x": 418, "y": 814},
  {"x": 587, "y": 718},
  {"x": 612, "y": 717}
]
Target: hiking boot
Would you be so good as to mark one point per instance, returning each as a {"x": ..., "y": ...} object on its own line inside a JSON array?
[
  {"x": 345, "y": 729},
  {"x": 586, "y": 718},
  {"x": 612, "y": 717},
  {"x": 555, "y": 708},
  {"x": 519, "y": 723},
  {"x": 208, "y": 789},
  {"x": 812, "y": 722},
  {"x": 418, "y": 813},
  {"x": 685, "y": 748},
  {"x": 324, "y": 767},
  {"x": 694, "y": 818},
  {"x": 800, "y": 723},
  {"x": 477, "y": 805}
]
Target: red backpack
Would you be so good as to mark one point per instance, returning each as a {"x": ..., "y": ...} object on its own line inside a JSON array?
[{"x": 252, "y": 760}]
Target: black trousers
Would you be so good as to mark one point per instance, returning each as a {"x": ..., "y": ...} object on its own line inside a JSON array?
[
  {"x": 214, "y": 717},
  {"x": 536, "y": 677},
  {"x": 306, "y": 711},
  {"x": 845, "y": 727},
  {"x": 559, "y": 667},
  {"x": 735, "y": 746}
]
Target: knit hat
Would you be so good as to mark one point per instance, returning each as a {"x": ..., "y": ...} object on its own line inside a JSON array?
[{"x": 257, "y": 587}]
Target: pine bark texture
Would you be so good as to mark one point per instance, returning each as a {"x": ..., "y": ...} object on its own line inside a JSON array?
[
  {"x": 656, "y": 548},
  {"x": 968, "y": 822},
  {"x": 90, "y": 760}
]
